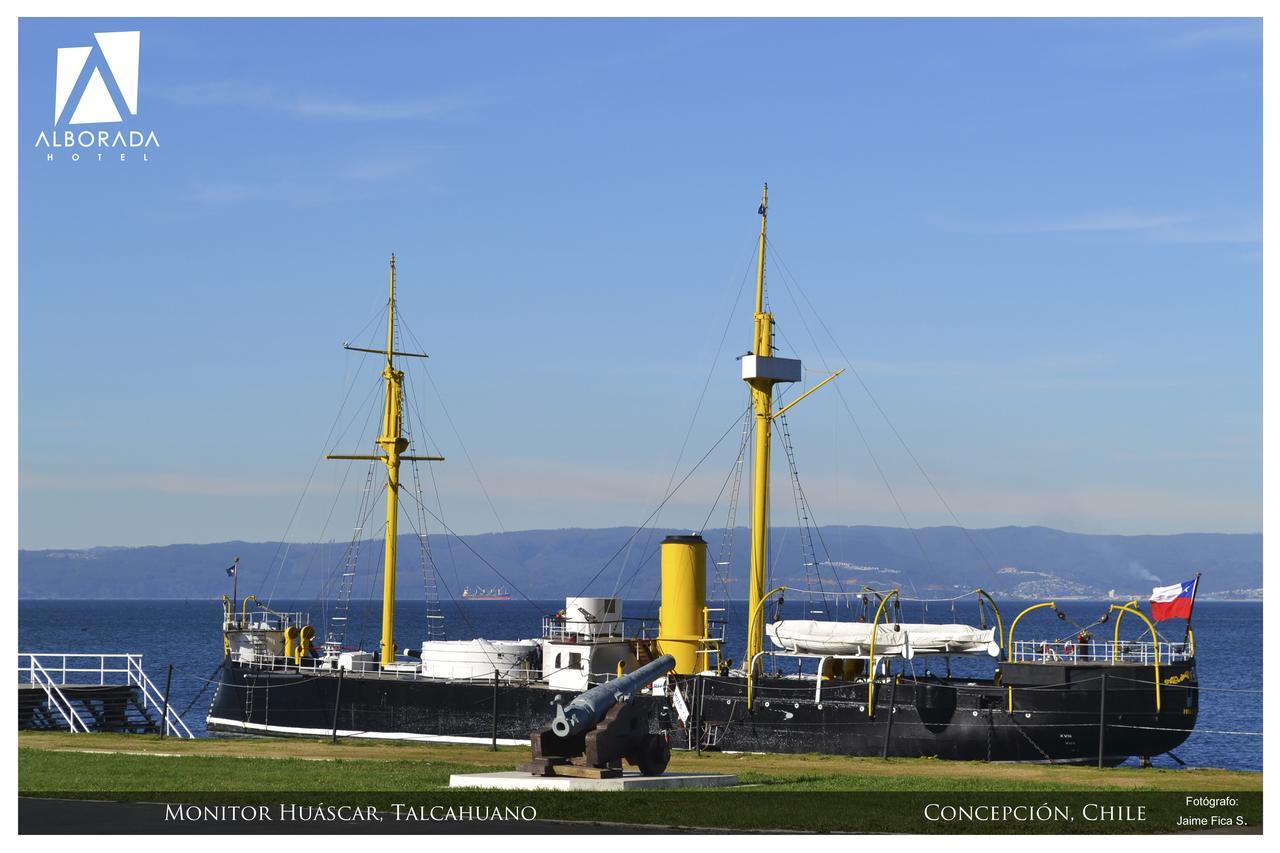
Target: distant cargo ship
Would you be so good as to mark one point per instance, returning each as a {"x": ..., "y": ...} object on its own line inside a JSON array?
[{"x": 481, "y": 594}]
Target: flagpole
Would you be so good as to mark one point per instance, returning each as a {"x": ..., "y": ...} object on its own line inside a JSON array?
[
  {"x": 1194, "y": 589},
  {"x": 235, "y": 583}
]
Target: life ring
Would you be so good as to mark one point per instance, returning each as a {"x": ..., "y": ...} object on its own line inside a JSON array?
[{"x": 1069, "y": 649}]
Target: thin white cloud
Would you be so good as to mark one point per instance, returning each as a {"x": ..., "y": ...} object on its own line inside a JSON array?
[
  {"x": 379, "y": 168},
  {"x": 1152, "y": 226},
  {"x": 346, "y": 109},
  {"x": 229, "y": 191},
  {"x": 546, "y": 493},
  {"x": 1106, "y": 220},
  {"x": 365, "y": 169},
  {"x": 1083, "y": 372},
  {"x": 1205, "y": 232},
  {"x": 238, "y": 93},
  {"x": 166, "y": 483},
  {"x": 1073, "y": 364},
  {"x": 214, "y": 93},
  {"x": 1245, "y": 31}
]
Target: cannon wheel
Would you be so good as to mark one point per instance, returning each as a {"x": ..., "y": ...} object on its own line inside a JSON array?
[{"x": 655, "y": 756}]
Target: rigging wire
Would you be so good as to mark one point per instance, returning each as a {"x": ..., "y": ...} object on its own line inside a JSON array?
[
  {"x": 862, "y": 382},
  {"x": 351, "y": 555},
  {"x": 915, "y": 534},
  {"x": 347, "y": 570},
  {"x": 724, "y": 557},
  {"x": 670, "y": 494},
  {"x": 297, "y": 506},
  {"x": 817, "y": 528},
  {"x": 374, "y": 577},
  {"x": 430, "y": 572},
  {"x": 315, "y": 553},
  {"x": 477, "y": 554},
  {"x": 697, "y": 409},
  {"x": 461, "y": 444},
  {"x": 415, "y": 412},
  {"x": 275, "y": 578},
  {"x": 460, "y": 610}
]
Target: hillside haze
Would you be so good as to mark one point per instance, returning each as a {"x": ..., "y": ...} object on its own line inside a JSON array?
[{"x": 1009, "y": 562}]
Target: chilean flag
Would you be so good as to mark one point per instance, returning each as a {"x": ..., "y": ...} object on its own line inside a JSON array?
[{"x": 1173, "y": 602}]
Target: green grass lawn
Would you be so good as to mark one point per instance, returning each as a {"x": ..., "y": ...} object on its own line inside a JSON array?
[{"x": 776, "y": 792}]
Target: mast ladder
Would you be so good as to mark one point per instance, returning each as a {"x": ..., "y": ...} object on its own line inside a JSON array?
[
  {"x": 430, "y": 583},
  {"x": 808, "y": 555},
  {"x": 724, "y": 559},
  {"x": 342, "y": 607}
]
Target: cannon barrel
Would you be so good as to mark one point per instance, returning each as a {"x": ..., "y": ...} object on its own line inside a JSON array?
[{"x": 590, "y": 707}]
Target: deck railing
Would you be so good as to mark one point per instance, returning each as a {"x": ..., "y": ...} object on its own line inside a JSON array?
[
  {"x": 404, "y": 671},
  {"x": 56, "y": 698},
  {"x": 1071, "y": 651},
  {"x": 53, "y": 670},
  {"x": 581, "y": 631}
]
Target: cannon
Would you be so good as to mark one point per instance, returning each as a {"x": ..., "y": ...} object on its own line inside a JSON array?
[{"x": 593, "y": 734}]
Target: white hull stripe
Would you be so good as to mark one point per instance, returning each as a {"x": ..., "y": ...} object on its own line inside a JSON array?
[{"x": 299, "y": 730}]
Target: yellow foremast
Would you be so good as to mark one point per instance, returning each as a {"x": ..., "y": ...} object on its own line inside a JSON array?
[{"x": 393, "y": 444}]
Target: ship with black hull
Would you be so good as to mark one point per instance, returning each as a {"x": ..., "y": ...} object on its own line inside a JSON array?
[{"x": 865, "y": 685}]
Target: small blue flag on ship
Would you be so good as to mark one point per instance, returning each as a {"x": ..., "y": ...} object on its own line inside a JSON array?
[{"x": 231, "y": 571}]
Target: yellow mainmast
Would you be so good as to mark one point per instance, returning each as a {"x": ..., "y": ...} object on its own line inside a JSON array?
[
  {"x": 393, "y": 445},
  {"x": 762, "y": 370},
  {"x": 762, "y": 402}
]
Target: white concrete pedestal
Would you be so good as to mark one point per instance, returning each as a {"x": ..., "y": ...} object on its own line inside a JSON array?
[{"x": 631, "y": 780}]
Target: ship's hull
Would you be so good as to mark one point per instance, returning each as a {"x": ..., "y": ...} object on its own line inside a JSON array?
[
  {"x": 1039, "y": 713},
  {"x": 250, "y": 700},
  {"x": 1056, "y": 712}
]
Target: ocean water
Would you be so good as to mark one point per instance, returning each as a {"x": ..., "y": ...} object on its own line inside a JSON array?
[{"x": 187, "y": 634}]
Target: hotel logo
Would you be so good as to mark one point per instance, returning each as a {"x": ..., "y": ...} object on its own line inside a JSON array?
[
  {"x": 97, "y": 84},
  {"x": 117, "y": 56}
]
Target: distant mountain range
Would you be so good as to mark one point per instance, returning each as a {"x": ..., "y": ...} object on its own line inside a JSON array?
[{"x": 1009, "y": 562}]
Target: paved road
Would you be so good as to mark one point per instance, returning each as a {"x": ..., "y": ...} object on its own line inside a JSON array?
[{"x": 39, "y": 815}]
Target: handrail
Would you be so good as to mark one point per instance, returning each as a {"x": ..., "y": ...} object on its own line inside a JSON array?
[
  {"x": 151, "y": 695},
  {"x": 1131, "y": 607},
  {"x": 1013, "y": 627},
  {"x": 101, "y": 668},
  {"x": 1099, "y": 651},
  {"x": 751, "y": 620},
  {"x": 133, "y": 675},
  {"x": 871, "y": 652},
  {"x": 996, "y": 608},
  {"x": 706, "y": 640},
  {"x": 50, "y": 689},
  {"x": 1133, "y": 602},
  {"x": 1125, "y": 608}
]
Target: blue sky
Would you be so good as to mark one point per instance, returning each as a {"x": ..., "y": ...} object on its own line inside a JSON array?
[{"x": 1039, "y": 242}]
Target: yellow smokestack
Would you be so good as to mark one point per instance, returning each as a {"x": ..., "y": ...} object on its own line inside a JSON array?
[{"x": 682, "y": 617}]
